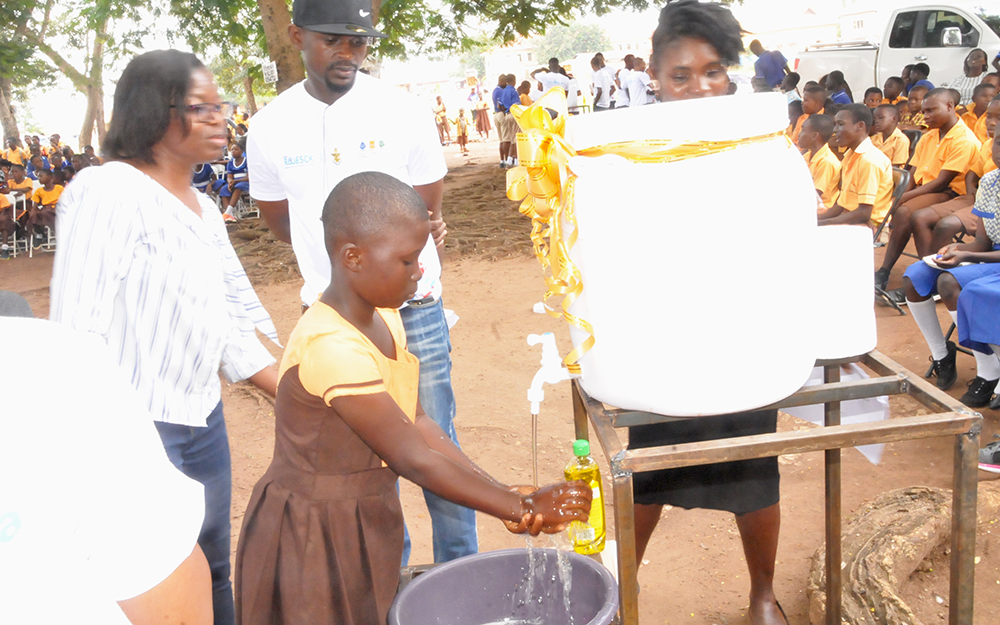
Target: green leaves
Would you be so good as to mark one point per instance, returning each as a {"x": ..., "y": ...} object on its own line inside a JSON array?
[{"x": 565, "y": 42}]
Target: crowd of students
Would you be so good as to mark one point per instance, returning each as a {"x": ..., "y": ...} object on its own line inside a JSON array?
[
  {"x": 32, "y": 177},
  {"x": 944, "y": 137}
]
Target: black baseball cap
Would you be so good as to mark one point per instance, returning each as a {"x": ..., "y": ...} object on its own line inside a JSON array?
[{"x": 335, "y": 17}]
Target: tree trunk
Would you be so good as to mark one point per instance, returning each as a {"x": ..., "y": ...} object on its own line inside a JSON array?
[
  {"x": 7, "y": 117},
  {"x": 95, "y": 90},
  {"x": 248, "y": 89},
  {"x": 102, "y": 127},
  {"x": 89, "y": 118},
  {"x": 275, "y": 18}
]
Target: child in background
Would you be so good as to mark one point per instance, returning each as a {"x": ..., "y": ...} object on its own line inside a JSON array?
[
  {"x": 813, "y": 103},
  {"x": 237, "y": 179},
  {"x": 975, "y": 114},
  {"x": 873, "y": 97},
  {"x": 823, "y": 164},
  {"x": 462, "y": 129},
  {"x": 888, "y": 137},
  {"x": 67, "y": 174},
  {"x": 794, "y": 113},
  {"x": 892, "y": 90},
  {"x": 790, "y": 87},
  {"x": 921, "y": 281},
  {"x": 35, "y": 163},
  {"x": 7, "y": 225},
  {"x": 322, "y": 537},
  {"x": 912, "y": 117},
  {"x": 15, "y": 153},
  {"x": 203, "y": 177},
  {"x": 43, "y": 209},
  {"x": 523, "y": 91}
]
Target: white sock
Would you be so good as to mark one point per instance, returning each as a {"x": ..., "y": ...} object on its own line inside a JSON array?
[
  {"x": 229, "y": 211},
  {"x": 987, "y": 366},
  {"x": 925, "y": 314}
]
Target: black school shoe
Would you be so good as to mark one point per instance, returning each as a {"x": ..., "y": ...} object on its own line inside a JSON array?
[
  {"x": 944, "y": 369},
  {"x": 980, "y": 392}
]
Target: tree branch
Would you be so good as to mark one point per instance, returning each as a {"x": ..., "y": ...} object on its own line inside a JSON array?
[{"x": 79, "y": 81}]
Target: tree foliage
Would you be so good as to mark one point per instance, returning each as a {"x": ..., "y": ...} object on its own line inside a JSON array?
[{"x": 565, "y": 42}]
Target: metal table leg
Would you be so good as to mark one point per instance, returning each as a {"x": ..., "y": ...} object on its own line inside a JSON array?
[
  {"x": 831, "y": 375},
  {"x": 963, "y": 528},
  {"x": 628, "y": 581}
]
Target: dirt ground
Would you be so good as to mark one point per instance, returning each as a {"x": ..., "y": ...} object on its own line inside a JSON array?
[{"x": 694, "y": 570}]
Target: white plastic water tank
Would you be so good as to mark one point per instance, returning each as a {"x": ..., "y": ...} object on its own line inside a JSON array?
[
  {"x": 698, "y": 275},
  {"x": 842, "y": 293}
]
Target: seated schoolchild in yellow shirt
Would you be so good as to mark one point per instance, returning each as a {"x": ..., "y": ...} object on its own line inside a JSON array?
[
  {"x": 956, "y": 215},
  {"x": 912, "y": 117},
  {"x": 893, "y": 91},
  {"x": 813, "y": 101},
  {"x": 975, "y": 112},
  {"x": 43, "y": 210},
  {"x": 873, "y": 97},
  {"x": 823, "y": 164},
  {"x": 7, "y": 226},
  {"x": 865, "y": 173},
  {"x": 15, "y": 153},
  {"x": 938, "y": 167},
  {"x": 888, "y": 137}
]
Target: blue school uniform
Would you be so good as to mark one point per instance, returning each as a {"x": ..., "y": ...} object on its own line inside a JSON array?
[
  {"x": 978, "y": 326},
  {"x": 924, "y": 277},
  {"x": 241, "y": 177},
  {"x": 30, "y": 169},
  {"x": 202, "y": 177}
]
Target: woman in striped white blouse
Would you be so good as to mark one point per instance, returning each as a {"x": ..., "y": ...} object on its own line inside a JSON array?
[{"x": 145, "y": 262}]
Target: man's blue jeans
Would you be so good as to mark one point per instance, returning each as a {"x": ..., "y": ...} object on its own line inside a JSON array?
[
  {"x": 202, "y": 453},
  {"x": 454, "y": 527}
]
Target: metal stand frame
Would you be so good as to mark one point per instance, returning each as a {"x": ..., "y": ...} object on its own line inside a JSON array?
[{"x": 950, "y": 419}]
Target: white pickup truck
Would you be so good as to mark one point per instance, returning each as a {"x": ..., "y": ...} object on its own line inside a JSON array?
[{"x": 940, "y": 35}]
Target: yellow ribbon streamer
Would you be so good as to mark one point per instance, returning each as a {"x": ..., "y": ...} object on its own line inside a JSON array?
[{"x": 545, "y": 184}]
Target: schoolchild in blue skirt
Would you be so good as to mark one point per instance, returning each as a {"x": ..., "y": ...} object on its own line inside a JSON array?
[{"x": 956, "y": 266}]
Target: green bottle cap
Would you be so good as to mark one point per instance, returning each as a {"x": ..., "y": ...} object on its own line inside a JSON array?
[{"x": 581, "y": 447}]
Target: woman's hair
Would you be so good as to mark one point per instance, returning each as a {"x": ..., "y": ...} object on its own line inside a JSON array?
[
  {"x": 241, "y": 142},
  {"x": 709, "y": 21},
  {"x": 986, "y": 60},
  {"x": 151, "y": 85}
]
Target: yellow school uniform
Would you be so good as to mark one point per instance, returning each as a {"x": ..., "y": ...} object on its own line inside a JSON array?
[
  {"x": 17, "y": 156},
  {"x": 27, "y": 185},
  {"x": 972, "y": 120},
  {"x": 983, "y": 163},
  {"x": 42, "y": 197},
  {"x": 798, "y": 125},
  {"x": 899, "y": 98},
  {"x": 866, "y": 178},
  {"x": 896, "y": 147},
  {"x": 980, "y": 129},
  {"x": 825, "y": 169},
  {"x": 953, "y": 152}
]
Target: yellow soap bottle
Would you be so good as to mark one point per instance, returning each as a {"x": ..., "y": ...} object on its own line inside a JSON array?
[{"x": 587, "y": 537}]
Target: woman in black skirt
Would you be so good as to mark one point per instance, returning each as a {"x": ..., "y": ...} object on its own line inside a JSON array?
[{"x": 693, "y": 46}]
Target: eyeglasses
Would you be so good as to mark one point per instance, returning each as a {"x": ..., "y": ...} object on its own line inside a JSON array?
[{"x": 206, "y": 112}]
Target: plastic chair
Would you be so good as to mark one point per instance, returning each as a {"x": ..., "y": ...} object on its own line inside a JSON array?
[
  {"x": 914, "y": 137},
  {"x": 900, "y": 181}
]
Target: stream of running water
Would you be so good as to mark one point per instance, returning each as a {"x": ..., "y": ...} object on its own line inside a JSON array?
[{"x": 541, "y": 584}]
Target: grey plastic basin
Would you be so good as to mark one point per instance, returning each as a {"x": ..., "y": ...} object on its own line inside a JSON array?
[{"x": 489, "y": 587}]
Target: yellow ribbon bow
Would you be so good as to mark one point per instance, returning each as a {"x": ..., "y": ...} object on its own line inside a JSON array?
[{"x": 545, "y": 183}]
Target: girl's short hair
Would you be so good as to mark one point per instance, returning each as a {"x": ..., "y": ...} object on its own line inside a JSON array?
[
  {"x": 709, "y": 21},
  {"x": 152, "y": 88}
]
